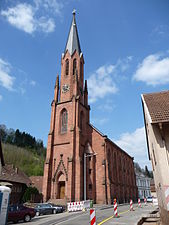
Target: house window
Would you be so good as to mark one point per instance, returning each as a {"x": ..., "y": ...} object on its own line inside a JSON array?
[
  {"x": 67, "y": 67},
  {"x": 74, "y": 66},
  {"x": 90, "y": 186},
  {"x": 64, "y": 120}
]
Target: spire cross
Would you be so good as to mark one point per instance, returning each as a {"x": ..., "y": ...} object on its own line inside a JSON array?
[{"x": 74, "y": 12}]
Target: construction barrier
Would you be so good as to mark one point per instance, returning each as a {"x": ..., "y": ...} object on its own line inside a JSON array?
[
  {"x": 92, "y": 217},
  {"x": 139, "y": 203},
  {"x": 115, "y": 208},
  {"x": 131, "y": 205},
  {"x": 78, "y": 206},
  {"x": 145, "y": 201}
]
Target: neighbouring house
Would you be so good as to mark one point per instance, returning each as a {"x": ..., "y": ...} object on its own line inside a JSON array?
[
  {"x": 81, "y": 162},
  {"x": 14, "y": 178},
  {"x": 156, "y": 118},
  {"x": 37, "y": 181},
  {"x": 143, "y": 184}
]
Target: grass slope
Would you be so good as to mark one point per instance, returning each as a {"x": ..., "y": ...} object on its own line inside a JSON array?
[{"x": 26, "y": 160}]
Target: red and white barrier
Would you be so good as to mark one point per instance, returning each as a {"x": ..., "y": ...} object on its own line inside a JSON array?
[
  {"x": 78, "y": 206},
  {"x": 145, "y": 201},
  {"x": 131, "y": 205},
  {"x": 139, "y": 203},
  {"x": 166, "y": 190},
  {"x": 92, "y": 217},
  {"x": 115, "y": 208}
]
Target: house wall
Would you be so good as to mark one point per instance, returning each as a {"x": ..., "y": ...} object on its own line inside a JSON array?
[
  {"x": 143, "y": 184},
  {"x": 158, "y": 141}
]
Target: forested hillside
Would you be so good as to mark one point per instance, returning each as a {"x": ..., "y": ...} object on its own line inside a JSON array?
[{"x": 23, "y": 151}]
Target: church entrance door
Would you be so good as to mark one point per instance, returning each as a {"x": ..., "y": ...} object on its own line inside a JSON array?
[{"x": 61, "y": 189}]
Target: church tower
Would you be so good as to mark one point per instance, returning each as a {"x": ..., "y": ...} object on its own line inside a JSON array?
[{"x": 63, "y": 170}]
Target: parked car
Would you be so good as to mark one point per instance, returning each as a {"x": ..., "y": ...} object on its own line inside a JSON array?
[
  {"x": 59, "y": 208},
  {"x": 149, "y": 199},
  {"x": 46, "y": 208},
  {"x": 20, "y": 212}
]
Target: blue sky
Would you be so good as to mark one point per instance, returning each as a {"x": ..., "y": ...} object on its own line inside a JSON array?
[{"x": 126, "y": 50}]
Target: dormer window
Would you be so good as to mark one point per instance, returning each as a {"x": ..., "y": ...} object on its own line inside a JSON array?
[
  {"x": 74, "y": 66},
  {"x": 67, "y": 67}
]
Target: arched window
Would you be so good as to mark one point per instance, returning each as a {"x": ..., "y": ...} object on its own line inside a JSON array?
[
  {"x": 64, "y": 120},
  {"x": 74, "y": 66},
  {"x": 67, "y": 67}
]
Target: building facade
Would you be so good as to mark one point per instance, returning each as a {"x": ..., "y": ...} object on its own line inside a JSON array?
[
  {"x": 143, "y": 185},
  {"x": 81, "y": 162},
  {"x": 156, "y": 116}
]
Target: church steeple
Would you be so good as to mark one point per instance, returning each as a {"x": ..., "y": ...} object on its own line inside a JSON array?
[{"x": 73, "y": 39}]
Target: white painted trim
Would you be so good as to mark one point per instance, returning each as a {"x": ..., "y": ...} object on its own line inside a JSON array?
[{"x": 146, "y": 109}]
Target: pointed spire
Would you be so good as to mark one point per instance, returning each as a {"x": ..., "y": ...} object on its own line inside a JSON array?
[{"x": 73, "y": 39}]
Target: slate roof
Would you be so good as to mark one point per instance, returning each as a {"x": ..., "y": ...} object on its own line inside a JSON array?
[
  {"x": 158, "y": 106},
  {"x": 12, "y": 174},
  {"x": 73, "y": 39}
]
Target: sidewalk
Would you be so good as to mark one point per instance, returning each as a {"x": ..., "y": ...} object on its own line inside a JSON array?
[{"x": 152, "y": 219}]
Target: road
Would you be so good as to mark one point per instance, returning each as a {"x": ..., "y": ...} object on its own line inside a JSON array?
[{"x": 104, "y": 215}]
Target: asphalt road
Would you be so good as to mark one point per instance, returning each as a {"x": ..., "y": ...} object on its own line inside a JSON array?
[{"x": 104, "y": 215}]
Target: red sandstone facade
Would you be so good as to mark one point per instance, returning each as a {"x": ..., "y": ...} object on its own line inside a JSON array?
[{"x": 109, "y": 170}]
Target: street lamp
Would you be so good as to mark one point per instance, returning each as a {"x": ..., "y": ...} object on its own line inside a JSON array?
[{"x": 85, "y": 156}]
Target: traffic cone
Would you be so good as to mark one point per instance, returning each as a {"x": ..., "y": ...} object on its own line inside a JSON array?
[
  {"x": 92, "y": 217},
  {"x": 115, "y": 209},
  {"x": 139, "y": 203},
  {"x": 145, "y": 201},
  {"x": 131, "y": 205}
]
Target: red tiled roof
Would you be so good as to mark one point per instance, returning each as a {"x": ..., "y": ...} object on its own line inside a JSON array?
[
  {"x": 37, "y": 181},
  {"x": 12, "y": 174},
  {"x": 158, "y": 106}
]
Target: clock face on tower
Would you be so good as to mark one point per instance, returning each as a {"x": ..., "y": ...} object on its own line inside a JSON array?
[{"x": 65, "y": 88}]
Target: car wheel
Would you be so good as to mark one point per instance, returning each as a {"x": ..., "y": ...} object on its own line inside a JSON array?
[
  {"x": 27, "y": 218},
  {"x": 54, "y": 211},
  {"x": 37, "y": 213}
]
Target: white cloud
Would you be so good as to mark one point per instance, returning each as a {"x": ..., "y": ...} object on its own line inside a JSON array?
[
  {"x": 100, "y": 121},
  {"x": 154, "y": 70},
  {"x": 32, "y": 83},
  {"x": 21, "y": 16},
  {"x": 54, "y": 6},
  {"x": 102, "y": 81},
  {"x": 6, "y": 80},
  {"x": 31, "y": 18},
  {"x": 1, "y": 97},
  {"x": 135, "y": 145},
  {"x": 46, "y": 26}
]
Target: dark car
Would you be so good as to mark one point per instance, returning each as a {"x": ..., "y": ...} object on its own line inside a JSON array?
[
  {"x": 59, "y": 208},
  {"x": 46, "y": 208},
  {"x": 20, "y": 212}
]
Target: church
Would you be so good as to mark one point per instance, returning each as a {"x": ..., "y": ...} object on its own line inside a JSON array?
[{"x": 81, "y": 162}]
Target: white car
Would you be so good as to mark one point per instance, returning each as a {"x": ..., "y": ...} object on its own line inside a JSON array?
[
  {"x": 149, "y": 199},
  {"x": 155, "y": 201}
]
